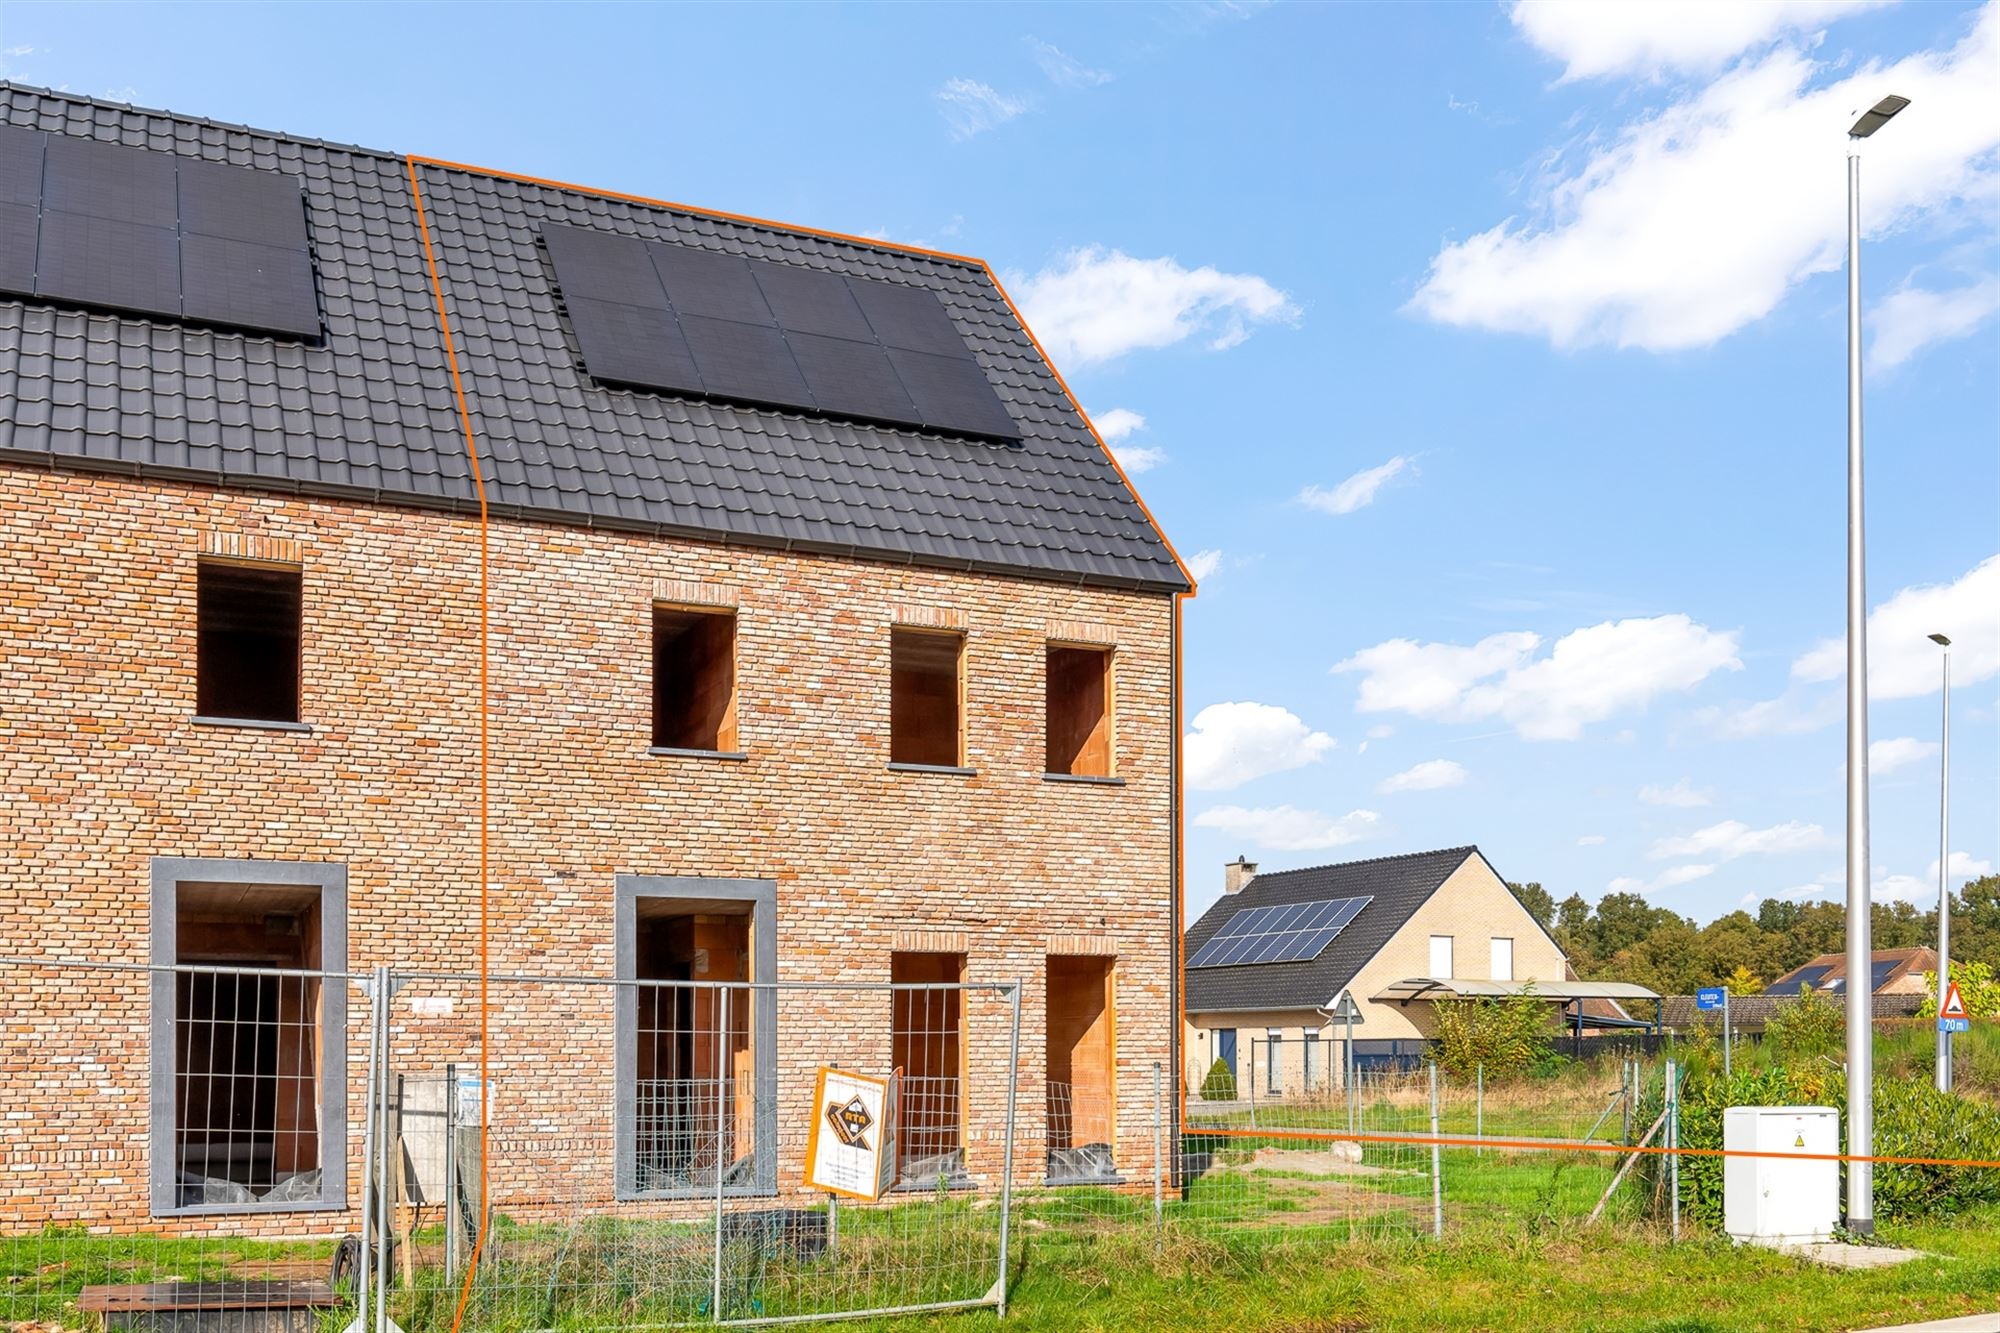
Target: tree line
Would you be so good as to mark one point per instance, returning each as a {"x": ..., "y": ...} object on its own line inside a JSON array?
[{"x": 1626, "y": 938}]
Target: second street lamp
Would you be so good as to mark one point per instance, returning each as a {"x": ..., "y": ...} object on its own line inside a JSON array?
[{"x": 1944, "y": 870}]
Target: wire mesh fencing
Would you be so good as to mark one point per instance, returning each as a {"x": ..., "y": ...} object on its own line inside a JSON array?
[
  {"x": 163, "y": 1131},
  {"x": 653, "y": 1154}
]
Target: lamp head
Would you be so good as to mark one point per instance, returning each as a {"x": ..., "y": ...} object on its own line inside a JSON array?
[
  {"x": 1875, "y": 117},
  {"x": 1940, "y": 640}
]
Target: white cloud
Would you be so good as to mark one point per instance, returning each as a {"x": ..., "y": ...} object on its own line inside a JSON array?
[
  {"x": 971, "y": 107},
  {"x": 1902, "y": 662},
  {"x": 1686, "y": 224},
  {"x": 1587, "y": 676},
  {"x": 1094, "y": 305},
  {"x": 1682, "y": 795},
  {"x": 1231, "y": 743},
  {"x": 1647, "y": 38},
  {"x": 1591, "y": 840},
  {"x": 1431, "y": 775},
  {"x": 1733, "y": 838},
  {"x": 1964, "y": 866},
  {"x": 1137, "y": 458},
  {"x": 1287, "y": 828},
  {"x": 1381, "y": 731},
  {"x": 1356, "y": 492},
  {"x": 1203, "y": 563},
  {"x": 1065, "y": 70},
  {"x": 1907, "y": 888},
  {"x": 1791, "y": 713},
  {"x": 1671, "y": 878},
  {"x": 1913, "y": 318},
  {"x": 1119, "y": 422},
  {"x": 1887, "y": 756}
]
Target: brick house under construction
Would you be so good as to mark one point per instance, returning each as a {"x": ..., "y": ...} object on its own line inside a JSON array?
[{"x": 824, "y": 641}]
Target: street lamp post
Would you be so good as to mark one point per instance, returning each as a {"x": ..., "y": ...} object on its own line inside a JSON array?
[
  {"x": 1944, "y": 870},
  {"x": 1860, "y": 997}
]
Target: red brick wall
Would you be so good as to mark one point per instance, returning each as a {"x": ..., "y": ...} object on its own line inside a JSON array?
[{"x": 101, "y": 770}]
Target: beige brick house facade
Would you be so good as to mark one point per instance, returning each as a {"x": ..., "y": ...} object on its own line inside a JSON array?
[{"x": 112, "y": 785}]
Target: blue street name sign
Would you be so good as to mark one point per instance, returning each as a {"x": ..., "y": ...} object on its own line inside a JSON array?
[
  {"x": 1708, "y": 997},
  {"x": 1954, "y": 1025}
]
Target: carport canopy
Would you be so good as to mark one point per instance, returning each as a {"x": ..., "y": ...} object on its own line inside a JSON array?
[{"x": 1562, "y": 992}]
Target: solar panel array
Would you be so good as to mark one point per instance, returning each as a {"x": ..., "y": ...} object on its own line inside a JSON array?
[
  {"x": 655, "y": 315},
  {"x": 1286, "y": 933},
  {"x": 114, "y": 228},
  {"x": 1809, "y": 976}
]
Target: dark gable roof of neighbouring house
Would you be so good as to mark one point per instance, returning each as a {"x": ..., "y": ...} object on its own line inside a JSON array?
[
  {"x": 1398, "y": 885},
  {"x": 368, "y": 411}
]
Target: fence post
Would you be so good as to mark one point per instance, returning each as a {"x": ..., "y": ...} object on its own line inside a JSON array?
[
  {"x": 722, "y": 1043},
  {"x": 385, "y": 1141},
  {"x": 1674, "y": 1143},
  {"x": 1159, "y": 1181},
  {"x": 1253, "y": 1082},
  {"x": 1479, "y": 1108},
  {"x": 365, "y": 1277},
  {"x": 1007, "y": 1148},
  {"x": 1625, "y": 1084},
  {"x": 1437, "y": 1163}
]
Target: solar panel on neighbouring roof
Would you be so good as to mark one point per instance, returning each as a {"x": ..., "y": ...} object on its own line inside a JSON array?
[
  {"x": 140, "y": 232},
  {"x": 1285, "y": 933},
  {"x": 1879, "y": 973},
  {"x": 778, "y": 335}
]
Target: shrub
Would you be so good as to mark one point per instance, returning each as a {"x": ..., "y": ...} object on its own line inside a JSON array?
[
  {"x": 1220, "y": 1085},
  {"x": 1509, "y": 1035},
  {"x": 1809, "y": 1027},
  {"x": 1977, "y": 986}
]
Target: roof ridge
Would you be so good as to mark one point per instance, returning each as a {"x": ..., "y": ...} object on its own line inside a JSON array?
[
  {"x": 81, "y": 99},
  {"x": 501, "y": 173},
  {"x": 1468, "y": 849}
]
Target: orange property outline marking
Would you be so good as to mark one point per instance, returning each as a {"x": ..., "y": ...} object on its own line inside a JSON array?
[
  {"x": 479, "y": 486},
  {"x": 1177, "y": 880},
  {"x": 1548, "y": 1145}
]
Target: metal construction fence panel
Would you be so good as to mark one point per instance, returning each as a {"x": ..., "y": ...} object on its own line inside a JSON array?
[
  {"x": 327, "y": 1149},
  {"x": 654, "y": 1153},
  {"x": 167, "y": 1133}
]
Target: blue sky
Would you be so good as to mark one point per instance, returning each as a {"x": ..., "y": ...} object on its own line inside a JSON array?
[{"x": 1488, "y": 359}]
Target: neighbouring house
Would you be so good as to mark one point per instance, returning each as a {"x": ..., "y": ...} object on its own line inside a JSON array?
[
  {"x": 827, "y": 643},
  {"x": 1890, "y": 972},
  {"x": 1268, "y": 964}
]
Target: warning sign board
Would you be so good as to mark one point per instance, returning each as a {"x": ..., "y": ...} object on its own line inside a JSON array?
[
  {"x": 1952, "y": 1015},
  {"x": 851, "y": 1149}
]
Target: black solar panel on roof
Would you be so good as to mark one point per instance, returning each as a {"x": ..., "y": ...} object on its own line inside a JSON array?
[
  {"x": 102, "y": 180},
  {"x": 604, "y": 267},
  {"x": 241, "y": 205},
  {"x": 18, "y": 227},
  {"x": 804, "y": 300},
  {"x": 1284, "y": 933},
  {"x": 125, "y": 229},
  {"x": 104, "y": 262},
  {"x": 768, "y": 333},
  {"x": 247, "y": 286},
  {"x": 951, "y": 394},
  {"x": 852, "y": 379},
  {"x": 1879, "y": 973},
  {"x": 712, "y": 286},
  {"x": 21, "y": 165},
  {"x": 630, "y": 344},
  {"x": 910, "y": 318},
  {"x": 745, "y": 361}
]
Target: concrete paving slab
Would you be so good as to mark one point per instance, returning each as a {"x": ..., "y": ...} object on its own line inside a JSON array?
[
  {"x": 1972, "y": 1323},
  {"x": 1839, "y": 1254}
]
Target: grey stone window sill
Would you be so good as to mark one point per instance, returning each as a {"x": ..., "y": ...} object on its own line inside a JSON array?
[
  {"x": 947, "y": 770},
  {"x": 675, "y": 752},
  {"x": 1087, "y": 779},
  {"x": 252, "y": 724}
]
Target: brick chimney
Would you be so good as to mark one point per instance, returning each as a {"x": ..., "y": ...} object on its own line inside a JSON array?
[{"x": 1238, "y": 873}]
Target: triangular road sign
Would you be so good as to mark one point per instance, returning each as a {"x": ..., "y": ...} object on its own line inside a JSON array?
[{"x": 1954, "y": 1003}]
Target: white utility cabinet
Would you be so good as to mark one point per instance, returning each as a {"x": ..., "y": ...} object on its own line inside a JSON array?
[{"x": 1772, "y": 1202}]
